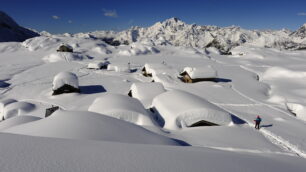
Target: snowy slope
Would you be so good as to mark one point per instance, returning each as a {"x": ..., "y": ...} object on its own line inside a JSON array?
[{"x": 11, "y": 31}]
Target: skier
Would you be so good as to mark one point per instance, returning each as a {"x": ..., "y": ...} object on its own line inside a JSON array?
[{"x": 257, "y": 122}]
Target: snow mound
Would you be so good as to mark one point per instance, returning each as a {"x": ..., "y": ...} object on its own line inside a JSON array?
[
  {"x": 97, "y": 65},
  {"x": 40, "y": 43},
  {"x": 17, "y": 109},
  {"x": 201, "y": 72},
  {"x": 65, "y": 78},
  {"x": 297, "y": 109},
  {"x": 138, "y": 49},
  {"x": 4, "y": 103},
  {"x": 17, "y": 120},
  {"x": 64, "y": 56},
  {"x": 89, "y": 126},
  {"x": 121, "y": 107},
  {"x": 118, "y": 67},
  {"x": 145, "y": 92},
  {"x": 101, "y": 50},
  {"x": 181, "y": 109},
  {"x": 279, "y": 72}
]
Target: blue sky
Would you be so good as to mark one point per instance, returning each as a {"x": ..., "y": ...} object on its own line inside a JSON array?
[{"x": 59, "y": 16}]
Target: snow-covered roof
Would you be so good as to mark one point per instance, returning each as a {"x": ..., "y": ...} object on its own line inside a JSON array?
[
  {"x": 119, "y": 67},
  {"x": 180, "y": 109},
  {"x": 156, "y": 68},
  {"x": 201, "y": 72},
  {"x": 121, "y": 107},
  {"x": 89, "y": 126},
  {"x": 145, "y": 92},
  {"x": 65, "y": 78},
  {"x": 17, "y": 109},
  {"x": 66, "y": 45}
]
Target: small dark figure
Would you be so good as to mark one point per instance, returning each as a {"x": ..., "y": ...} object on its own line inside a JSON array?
[{"x": 257, "y": 122}]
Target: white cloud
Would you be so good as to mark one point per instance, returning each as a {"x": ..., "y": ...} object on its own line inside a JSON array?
[
  {"x": 301, "y": 14},
  {"x": 55, "y": 17},
  {"x": 69, "y": 21},
  {"x": 110, "y": 13}
]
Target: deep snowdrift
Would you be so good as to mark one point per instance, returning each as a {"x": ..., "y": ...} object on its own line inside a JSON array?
[
  {"x": 188, "y": 109},
  {"x": 121, "y": 107},
  {"x": 89, "y": 126}
]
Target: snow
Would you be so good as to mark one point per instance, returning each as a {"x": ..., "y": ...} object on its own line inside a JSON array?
[
  {"x": 121, "y": 107},
  {"x": 71, "y": 155},
  {"x": 4, "y": 103},
  {"x": 201, "y": 72},
  {"x": 17, "y": 120},
  {"x": 138, "y": 49},
  {"x": 156, "y": 69},
  {"x": 63, "y": 56},
  {"x": 188, "y": 109},
  {"x": 119, "y": 67},
  {"x": 145, "y": 92},
  {"x": 264, "y": 76},
  {"x": 17, "y": 109},
  {"x": 96, "y": 65},
  {"x": 65, "y": 78},
  {"x": 89, "y": 126}
]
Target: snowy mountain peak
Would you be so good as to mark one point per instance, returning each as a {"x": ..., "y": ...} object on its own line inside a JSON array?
[
  {"x": 301, "y": 32},
  {"x": 11, "y": 31}
]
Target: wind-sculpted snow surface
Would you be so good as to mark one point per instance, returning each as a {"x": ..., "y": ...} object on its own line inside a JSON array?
[
  {"x": 90, "y": 126},
  {"x": 121, "y": 107}
]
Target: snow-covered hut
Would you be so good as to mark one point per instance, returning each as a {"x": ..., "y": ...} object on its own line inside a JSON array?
[
  {"x": 121, "y": 107},
  {"x": 98, "y": 65},
  {"x": 145, "y": 92},
  {"x": 181, "y": 109},
  {"x": 152, "y": 69},
  {"x": 65, "y": 82},
  {"x": 65, "y": 48},
  {"x": 3, "y": 104},
  {"x": 17, "y": 109},
  {"x": 192, "y": 74}
]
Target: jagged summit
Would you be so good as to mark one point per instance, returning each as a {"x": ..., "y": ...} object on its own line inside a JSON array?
[
  {"x": 11, "y": 31},
  {"x": 301, "y": 32}
]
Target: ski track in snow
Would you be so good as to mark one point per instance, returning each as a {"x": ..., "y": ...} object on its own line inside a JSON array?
[{"x": 275, "y": 139}]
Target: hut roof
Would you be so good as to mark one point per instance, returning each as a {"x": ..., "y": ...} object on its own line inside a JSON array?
[
  {"x": 121, "y": 107},
  {"x": 65, "y": 78},
  {"x": 145, "y": 92},
  {"x": 158, "y": 68},
  {"x": 179, "y": 109},
  {"x": 17, "y": 109},
  {"x": 200, "y": 72}
]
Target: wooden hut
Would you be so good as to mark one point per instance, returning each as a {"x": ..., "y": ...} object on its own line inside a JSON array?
[
  {"x": 65, "y": 82},
  {"x": 65, "y": 48}
]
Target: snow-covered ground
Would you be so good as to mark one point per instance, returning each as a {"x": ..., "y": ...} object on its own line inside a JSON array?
[{"x": 102, "y": 129}]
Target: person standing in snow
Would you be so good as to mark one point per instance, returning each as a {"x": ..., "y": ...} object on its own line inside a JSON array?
[{"x": 257, "y": 122}]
